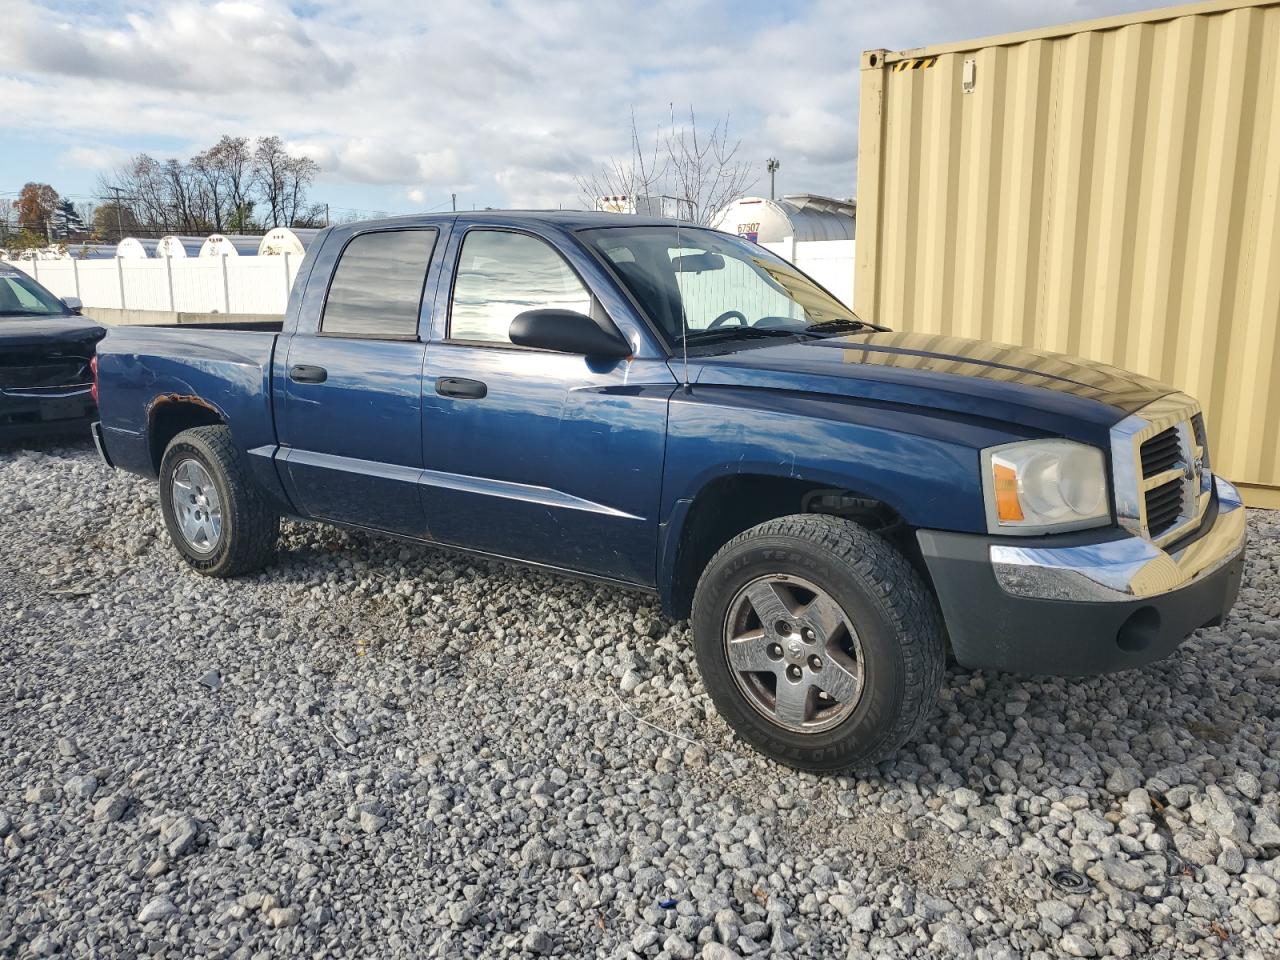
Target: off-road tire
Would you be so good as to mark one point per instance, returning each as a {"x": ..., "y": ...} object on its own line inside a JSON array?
[
  {"x": 250, "y": 527},
  {"x": 895, "y": 614}
]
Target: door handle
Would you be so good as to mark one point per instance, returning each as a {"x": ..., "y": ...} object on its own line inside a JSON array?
[
  {"x": 306, "y": 373},
  {"x": 461, "y": 387}
]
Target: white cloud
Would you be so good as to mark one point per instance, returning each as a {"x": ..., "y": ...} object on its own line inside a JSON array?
[
  {"x": 509, "y": 100},
  {"x": 93, "y": 157}
]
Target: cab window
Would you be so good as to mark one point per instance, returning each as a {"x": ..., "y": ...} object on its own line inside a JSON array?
[{"x": 502, "y": 274}]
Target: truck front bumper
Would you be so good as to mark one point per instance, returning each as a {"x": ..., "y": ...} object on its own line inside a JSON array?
[
  {"x": 41, "y": 411},
  {"x": 1089, "y": 602}
]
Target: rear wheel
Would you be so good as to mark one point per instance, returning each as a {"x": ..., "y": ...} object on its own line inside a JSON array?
[
  {"x": 818, "y": 642},
  {"x": 214, "y": 512}
]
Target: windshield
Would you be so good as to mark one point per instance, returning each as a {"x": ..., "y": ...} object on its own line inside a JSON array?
[
  {"x": 21, "y": 296},
  {"x": 723, "y": 284}
]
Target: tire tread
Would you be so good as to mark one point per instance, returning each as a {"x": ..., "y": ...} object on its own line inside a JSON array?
[
  {"x": 254, "y": 526},
  {"x": 904, "y": 598}
]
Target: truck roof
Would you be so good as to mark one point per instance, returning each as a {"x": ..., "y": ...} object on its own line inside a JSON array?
[{"x": 568, "y": 219}]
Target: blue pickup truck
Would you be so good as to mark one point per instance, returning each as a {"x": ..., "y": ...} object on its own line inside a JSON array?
[{"x": 836, "y": 507}]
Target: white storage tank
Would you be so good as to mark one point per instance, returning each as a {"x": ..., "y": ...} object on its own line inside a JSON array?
[
  {"x": 135, "y": 248},
  {"x": 291, "y": 240},
  {"x": 800, "y": 218},
  {"x": 226, "y": 245},
  {"x": 176, "y": 246},
  {"x": 91, "y": 251}
]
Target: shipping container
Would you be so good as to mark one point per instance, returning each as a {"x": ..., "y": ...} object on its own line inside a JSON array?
[{"x": 1109, "y": 189}]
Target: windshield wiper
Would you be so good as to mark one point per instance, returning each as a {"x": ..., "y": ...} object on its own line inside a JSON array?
[
  {"x": 738, "y": 333},
  {"x": 844, "y": 323},
  {"x": 26, "y": 313}
]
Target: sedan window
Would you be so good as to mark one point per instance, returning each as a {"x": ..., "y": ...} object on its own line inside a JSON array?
[{"x": 21, "y": 296}]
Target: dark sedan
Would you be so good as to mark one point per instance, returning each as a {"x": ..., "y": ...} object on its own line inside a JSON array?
[{"x": 46, "y": 350}]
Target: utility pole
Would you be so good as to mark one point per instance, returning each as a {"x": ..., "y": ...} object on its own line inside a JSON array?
[
  {"x": 455, "y": 202},
  {"x": 119, "y": 215},
  {"x": 772, "y": 166},
  {"x": 326, "y": 215}
]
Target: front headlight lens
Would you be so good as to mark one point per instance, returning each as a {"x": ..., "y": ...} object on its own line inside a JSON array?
[{"x": 1038, "y": 486}]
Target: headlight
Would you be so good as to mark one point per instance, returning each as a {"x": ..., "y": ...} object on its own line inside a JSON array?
[{"x": 1043, "y": 486}]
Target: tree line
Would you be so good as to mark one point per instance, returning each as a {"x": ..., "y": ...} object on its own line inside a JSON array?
[{"x": 237, "y": 185}]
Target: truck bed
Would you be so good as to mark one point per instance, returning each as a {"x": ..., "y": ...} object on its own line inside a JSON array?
[{"x": 223, "y": 368}]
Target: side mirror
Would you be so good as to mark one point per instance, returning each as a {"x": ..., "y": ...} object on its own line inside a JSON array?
[
  {"x": 567, "y": 331},
  {"x": 74, "y": 304}
]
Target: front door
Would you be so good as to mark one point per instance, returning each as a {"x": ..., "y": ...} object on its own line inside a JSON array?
[
  {"x": 532, "y": 454},
  {"x": 353, "y": 408}
]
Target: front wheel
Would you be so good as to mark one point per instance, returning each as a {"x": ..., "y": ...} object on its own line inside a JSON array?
[
  {"x": 216, "y": 516},
  {"x": 818, "y": 642}
]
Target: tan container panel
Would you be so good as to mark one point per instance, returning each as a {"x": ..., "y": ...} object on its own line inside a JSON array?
[{"x": 1108, "y": 189}]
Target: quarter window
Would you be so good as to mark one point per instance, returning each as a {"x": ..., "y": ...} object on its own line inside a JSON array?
[
  {"x": 503, "y": 274},
  {"x": 377, "y": 286}
]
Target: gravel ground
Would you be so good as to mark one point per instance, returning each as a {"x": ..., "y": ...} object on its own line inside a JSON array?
[{"x": 380, "y": 750}]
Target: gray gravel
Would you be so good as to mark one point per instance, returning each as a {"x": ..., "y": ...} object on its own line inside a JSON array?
[{"x": 375, "y": 749}]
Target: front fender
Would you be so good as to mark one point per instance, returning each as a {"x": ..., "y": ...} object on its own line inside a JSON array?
[{"x": 922, "y": 464}]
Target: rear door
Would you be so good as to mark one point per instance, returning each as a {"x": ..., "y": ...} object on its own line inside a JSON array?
[{"x": 352, "y": 408}]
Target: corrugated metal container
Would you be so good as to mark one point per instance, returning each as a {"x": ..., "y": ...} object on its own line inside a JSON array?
[{"x": 1109, "y": 189}]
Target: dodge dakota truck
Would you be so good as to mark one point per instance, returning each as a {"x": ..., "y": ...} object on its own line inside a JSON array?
[{"x": 836, "y": 507}]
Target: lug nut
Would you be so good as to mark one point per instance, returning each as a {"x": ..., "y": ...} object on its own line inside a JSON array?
[
  {"x": 774, "y": 651},
  {"x": 793, "y": 672},
  {"x": 815, "y": 662}
]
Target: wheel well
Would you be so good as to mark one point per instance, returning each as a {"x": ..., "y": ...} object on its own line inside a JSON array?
[
  {"x": 170, "y": 416},
  {"x": 728, "y": 506}
]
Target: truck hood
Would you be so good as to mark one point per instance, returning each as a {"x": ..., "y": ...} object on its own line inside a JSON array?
[
  {"x": 1036, "y": 388},
  {"x": 53, "y": 333}
]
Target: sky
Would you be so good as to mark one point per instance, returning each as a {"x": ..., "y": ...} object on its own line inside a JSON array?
[{"x": 405, "y": 102}]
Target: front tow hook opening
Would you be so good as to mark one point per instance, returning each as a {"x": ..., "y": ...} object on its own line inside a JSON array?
[{"x": 1139, "y": 631}]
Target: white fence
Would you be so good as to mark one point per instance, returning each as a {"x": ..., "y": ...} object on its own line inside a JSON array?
[
  {"x": 262, "y": 284},
  {"x": 177, "y": 285}
]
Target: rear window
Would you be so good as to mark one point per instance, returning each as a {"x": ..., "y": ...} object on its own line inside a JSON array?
[{"x": 377, "y": 286}]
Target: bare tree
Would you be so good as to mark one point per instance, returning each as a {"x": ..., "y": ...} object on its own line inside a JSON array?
[
  {"x": 299, "y": 172},
  {"x": 142, "y": 190},
  {"x": 270, "y": 162},
  {"x": 641, "y": 173},
  {"x": 701, "y": 173},
  {"x": 185, "y": 200},
  {"x": 212, "y": 189},
  {"x": 232, "y": 159},
  {"x": 705, "y": 169}
]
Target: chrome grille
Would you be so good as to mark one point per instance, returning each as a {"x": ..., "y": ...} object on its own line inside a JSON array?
[
  {"x": 1164, "y": 507},
  {"x": 1162, "y": 478},
  {"x": 1162, "y": 452}
]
